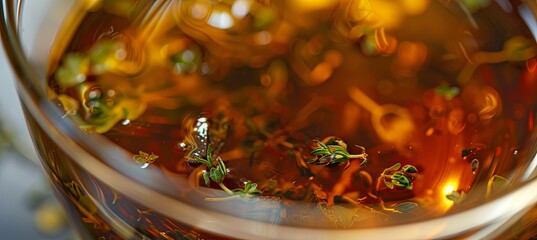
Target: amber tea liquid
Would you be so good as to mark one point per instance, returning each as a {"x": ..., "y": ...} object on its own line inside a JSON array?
[{"x": 444, "y": 87}]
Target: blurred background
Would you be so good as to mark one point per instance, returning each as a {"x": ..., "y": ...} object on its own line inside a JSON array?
[{"x": 28, "y": 209}]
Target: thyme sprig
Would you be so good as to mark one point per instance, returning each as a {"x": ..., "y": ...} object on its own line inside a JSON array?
[
  {"x": 144, "y": 159},
  {"x": 395, "y": 176},
  {"x": 217, "y": 172},
  {"x": 334, "y": 151},
  {"x": 249, "y": 190},
  {"x": 101, "y": 111}
]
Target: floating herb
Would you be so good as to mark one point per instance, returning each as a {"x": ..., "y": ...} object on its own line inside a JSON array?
[
  {"x": 393, "y": 177},
  {"x": 466, "y": 152},
  {"x": 448, "y": 92},
  {"x": 103, "y": 117},
  {"x": 474, "y": 164},
  {"x": 73, "y": 70},
  {"x": 101, "y": 112},
  {"x": 249, "y": 190},
  {"x": 144, "y": 158},
  {"x": 105, "y": 56},
  {"x": 409, "y": 169},
  {"x": 456, "y": 196},
  {"x": 406, "y": 207},
  {"x": 217, "y": 172},
  {"x": 334, "y": 151},
  {"x": 70, "y": 105}
]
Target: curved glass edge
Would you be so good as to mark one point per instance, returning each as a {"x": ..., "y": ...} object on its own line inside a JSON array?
[{"x": 40, "y": 108}]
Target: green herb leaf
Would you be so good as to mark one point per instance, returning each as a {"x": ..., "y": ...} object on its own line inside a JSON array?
[
  {"x": 105, "y": 55},
  {"x": 334, "y": 151},
  {"x": 209, "y": 153},
  {"x": 144, "y": 158},
  {"x": 221, "y": 166},
  {"x": 409, "y": 169},
  {"x": 401, "y": 180},
  {"x": 388, "y": 184},
  {"x": 70, "y": 105},
  {"x": 152, "y": 157},
  {"x": 249, "y": 190},
  {"x": 206, "y": 178},
  {"x": 101, "y": 117},
  {"x": 406, "y": 207},
  {"x": 204, "y": 161},
  {"x": 393, "y": 168},
  {"x": 320, "y": 151},
  {"x": 456, "y": 196},
  {"x": 448, "y": 92},
  {"x": 217, "y": 171},
  {"x": 393, "y": 177},
  {"x": 216, "y": 175},
  {"x": 474, "y": 164},
  {"x": 73, "y": 70}
]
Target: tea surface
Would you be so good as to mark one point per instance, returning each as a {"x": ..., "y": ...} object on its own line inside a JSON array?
[{"x": 338, "y": 115}]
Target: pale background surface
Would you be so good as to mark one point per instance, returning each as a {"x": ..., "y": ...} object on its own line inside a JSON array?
[{"x": 23, "y": 188}]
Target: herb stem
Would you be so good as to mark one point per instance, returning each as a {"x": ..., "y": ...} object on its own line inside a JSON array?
[
  {"x": 358, "y": 204},
  {"x": 222, "y": 198},
  {"x": 270, "y": 137},
  {"x": 361, "y": 156},
  {"x": 227, "y": 190}
]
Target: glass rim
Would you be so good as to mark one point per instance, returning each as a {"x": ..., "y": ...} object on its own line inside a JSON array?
[{"x": 36, "y": 102}]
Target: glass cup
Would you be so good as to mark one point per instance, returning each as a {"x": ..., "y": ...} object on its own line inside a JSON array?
[{"x": 112, "y": 192}]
